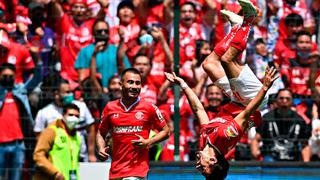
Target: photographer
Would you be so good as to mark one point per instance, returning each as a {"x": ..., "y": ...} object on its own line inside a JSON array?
[{"x": 284, "y": 133}]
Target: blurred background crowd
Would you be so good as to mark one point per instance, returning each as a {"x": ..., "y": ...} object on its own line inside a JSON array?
[{"x": 72, "y": 51}]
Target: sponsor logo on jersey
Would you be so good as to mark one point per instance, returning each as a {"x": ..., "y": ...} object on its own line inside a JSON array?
[
  {"x": 127, "y": 129},
  {"x": 231, "y": 132},
  {"x": 218, "y": 119},
  {"x": 139, "y": 115}
]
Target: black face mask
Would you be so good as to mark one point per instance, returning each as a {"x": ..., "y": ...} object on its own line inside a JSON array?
[
  {"x": 101, "y": 38},
  {"x": 7, "y": 82}
]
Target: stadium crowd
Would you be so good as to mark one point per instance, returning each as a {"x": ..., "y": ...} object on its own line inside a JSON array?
[{"x": 57, "y": 52}]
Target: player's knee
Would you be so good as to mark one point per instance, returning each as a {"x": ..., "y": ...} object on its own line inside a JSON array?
[{"x": 210, "y": 63}]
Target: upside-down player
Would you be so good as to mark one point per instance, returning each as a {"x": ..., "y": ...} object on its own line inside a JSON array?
[{"x": 222, "y": 133}]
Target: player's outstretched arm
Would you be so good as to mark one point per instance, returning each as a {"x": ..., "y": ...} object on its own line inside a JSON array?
[
  {"x": 269, "y": 78},
  {"x": 193, "y": 99}
]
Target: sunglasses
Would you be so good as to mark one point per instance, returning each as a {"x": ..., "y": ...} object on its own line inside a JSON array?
[
  {"x": 100, "y": 31},
  {"x": 7, "y": 76}
]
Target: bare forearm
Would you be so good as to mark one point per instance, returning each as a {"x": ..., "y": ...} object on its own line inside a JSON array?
[
  {"x": 91, "y": 139},
  {"x": 93, "y": 72},
  {"x": 255, "y": 102},
  {"x": 195, "y": 104},
  {"x": 120, "y": 57},
  {"x": 162, "y": 135},
  {"x": 168, "y": 53},
  {"x": 100, "y": 142}
]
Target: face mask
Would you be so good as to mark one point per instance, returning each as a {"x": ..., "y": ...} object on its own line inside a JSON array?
[
  {"x": 7, "y": 82},
  {"x": 145, "y": 39},
  {"x": 67, "y": 99},
  {"x": 303, "y": 54},
  {"x": 71, "y": 121},
  {"x": 100, "y": 38}
]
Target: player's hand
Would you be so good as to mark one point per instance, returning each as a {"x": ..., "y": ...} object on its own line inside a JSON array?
[
  {"x": 141, "y": 142},
  {"x": 269, "y": 77},
  {"x": 103, "y": 153},
  {"x": 173, "y": 78}
]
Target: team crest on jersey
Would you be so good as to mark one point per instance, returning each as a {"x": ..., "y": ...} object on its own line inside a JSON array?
[
  {"x": 231, "y": 132},
  {"x": 115, "y": 115},
  {"x": 139, "y": 115}
]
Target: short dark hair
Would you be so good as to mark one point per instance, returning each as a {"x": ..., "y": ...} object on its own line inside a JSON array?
[
  {"x": 302, "y": 33},
  {"x": 294, "y": 20},
  {"x": 125, "y": 3},
  {"x": 191, "y": 4},
  {"x": 70, "y": 106},
  {"x": 220, "y": 169},
  {"x": 112, "y": 78},
  {"x": 259, "y": 41},
  {"x": 210, "y": 85},
  {"x": 5, "y": 66},
  {"x": 283, "y": 89},
  {"x": 139, "y": 55},
  {"x": 131, "y": 70}
]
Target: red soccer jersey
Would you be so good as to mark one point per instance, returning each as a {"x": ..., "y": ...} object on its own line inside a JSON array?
[
  {"x": 223, "y": 132},
  {"x": 73, "y": 38},
  {"x": 187, "y": 42},
  {"x": 10, "y": 121},
  {"x": 20, "y": 57},
  {"x": 124, "y": 123},
  {"x": 149, "y": 93}
]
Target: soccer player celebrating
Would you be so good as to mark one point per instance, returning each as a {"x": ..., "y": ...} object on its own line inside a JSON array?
[
  {"x": 222, "y": 133},
  {"x": 130, "y": 120}
]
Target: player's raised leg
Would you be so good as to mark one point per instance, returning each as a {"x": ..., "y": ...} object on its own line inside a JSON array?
[
  {"x": 238, "y": 44},
  {"x": 212, "y": 64}
]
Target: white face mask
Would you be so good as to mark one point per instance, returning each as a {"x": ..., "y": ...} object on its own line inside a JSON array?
[{"x": 71, "y": 121}]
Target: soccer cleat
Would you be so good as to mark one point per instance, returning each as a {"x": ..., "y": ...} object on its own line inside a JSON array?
[
  {"x": 249, "y": 11},
  {"x": 232, "y": 17}
]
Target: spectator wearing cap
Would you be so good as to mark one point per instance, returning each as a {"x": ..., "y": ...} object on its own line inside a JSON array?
[
  {"x": 101, "y": 55},
  {"x": 74, "y": 32},
  {"x": 16, "y": 54},
  {"x": 22, "y": 21},
  {"x": 16, "y": 121}
]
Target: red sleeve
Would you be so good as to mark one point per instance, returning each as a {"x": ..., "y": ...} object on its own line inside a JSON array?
[
  {"x": 104, "y": 124},
  {"x": 27, "y": 61},
  {"x": 157, "y": 119},
  {"x": 62, "y": 23}
]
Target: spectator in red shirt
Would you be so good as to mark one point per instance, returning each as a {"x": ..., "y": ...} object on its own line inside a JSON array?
[
  {"x": 285, "y": 47},
  {"x": 130, "y": 120},
  {"x": 148, "y": 91},
  {"x": 16, "y": 120},
  {"x": 129, "y": 28},
  {"x": 75, "y": 32},
  {"x": 16, "y": 54}
]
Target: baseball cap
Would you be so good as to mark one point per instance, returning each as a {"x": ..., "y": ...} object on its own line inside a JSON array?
[
  {"x": 78, "y": 2},
  {"x": 4, "y": 39},
  {"x": 22, "y": 15},
  {"x": 125, "y": 3}
]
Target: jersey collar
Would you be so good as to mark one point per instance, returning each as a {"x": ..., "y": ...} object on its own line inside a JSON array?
[{"x": 128, "y": 109}]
